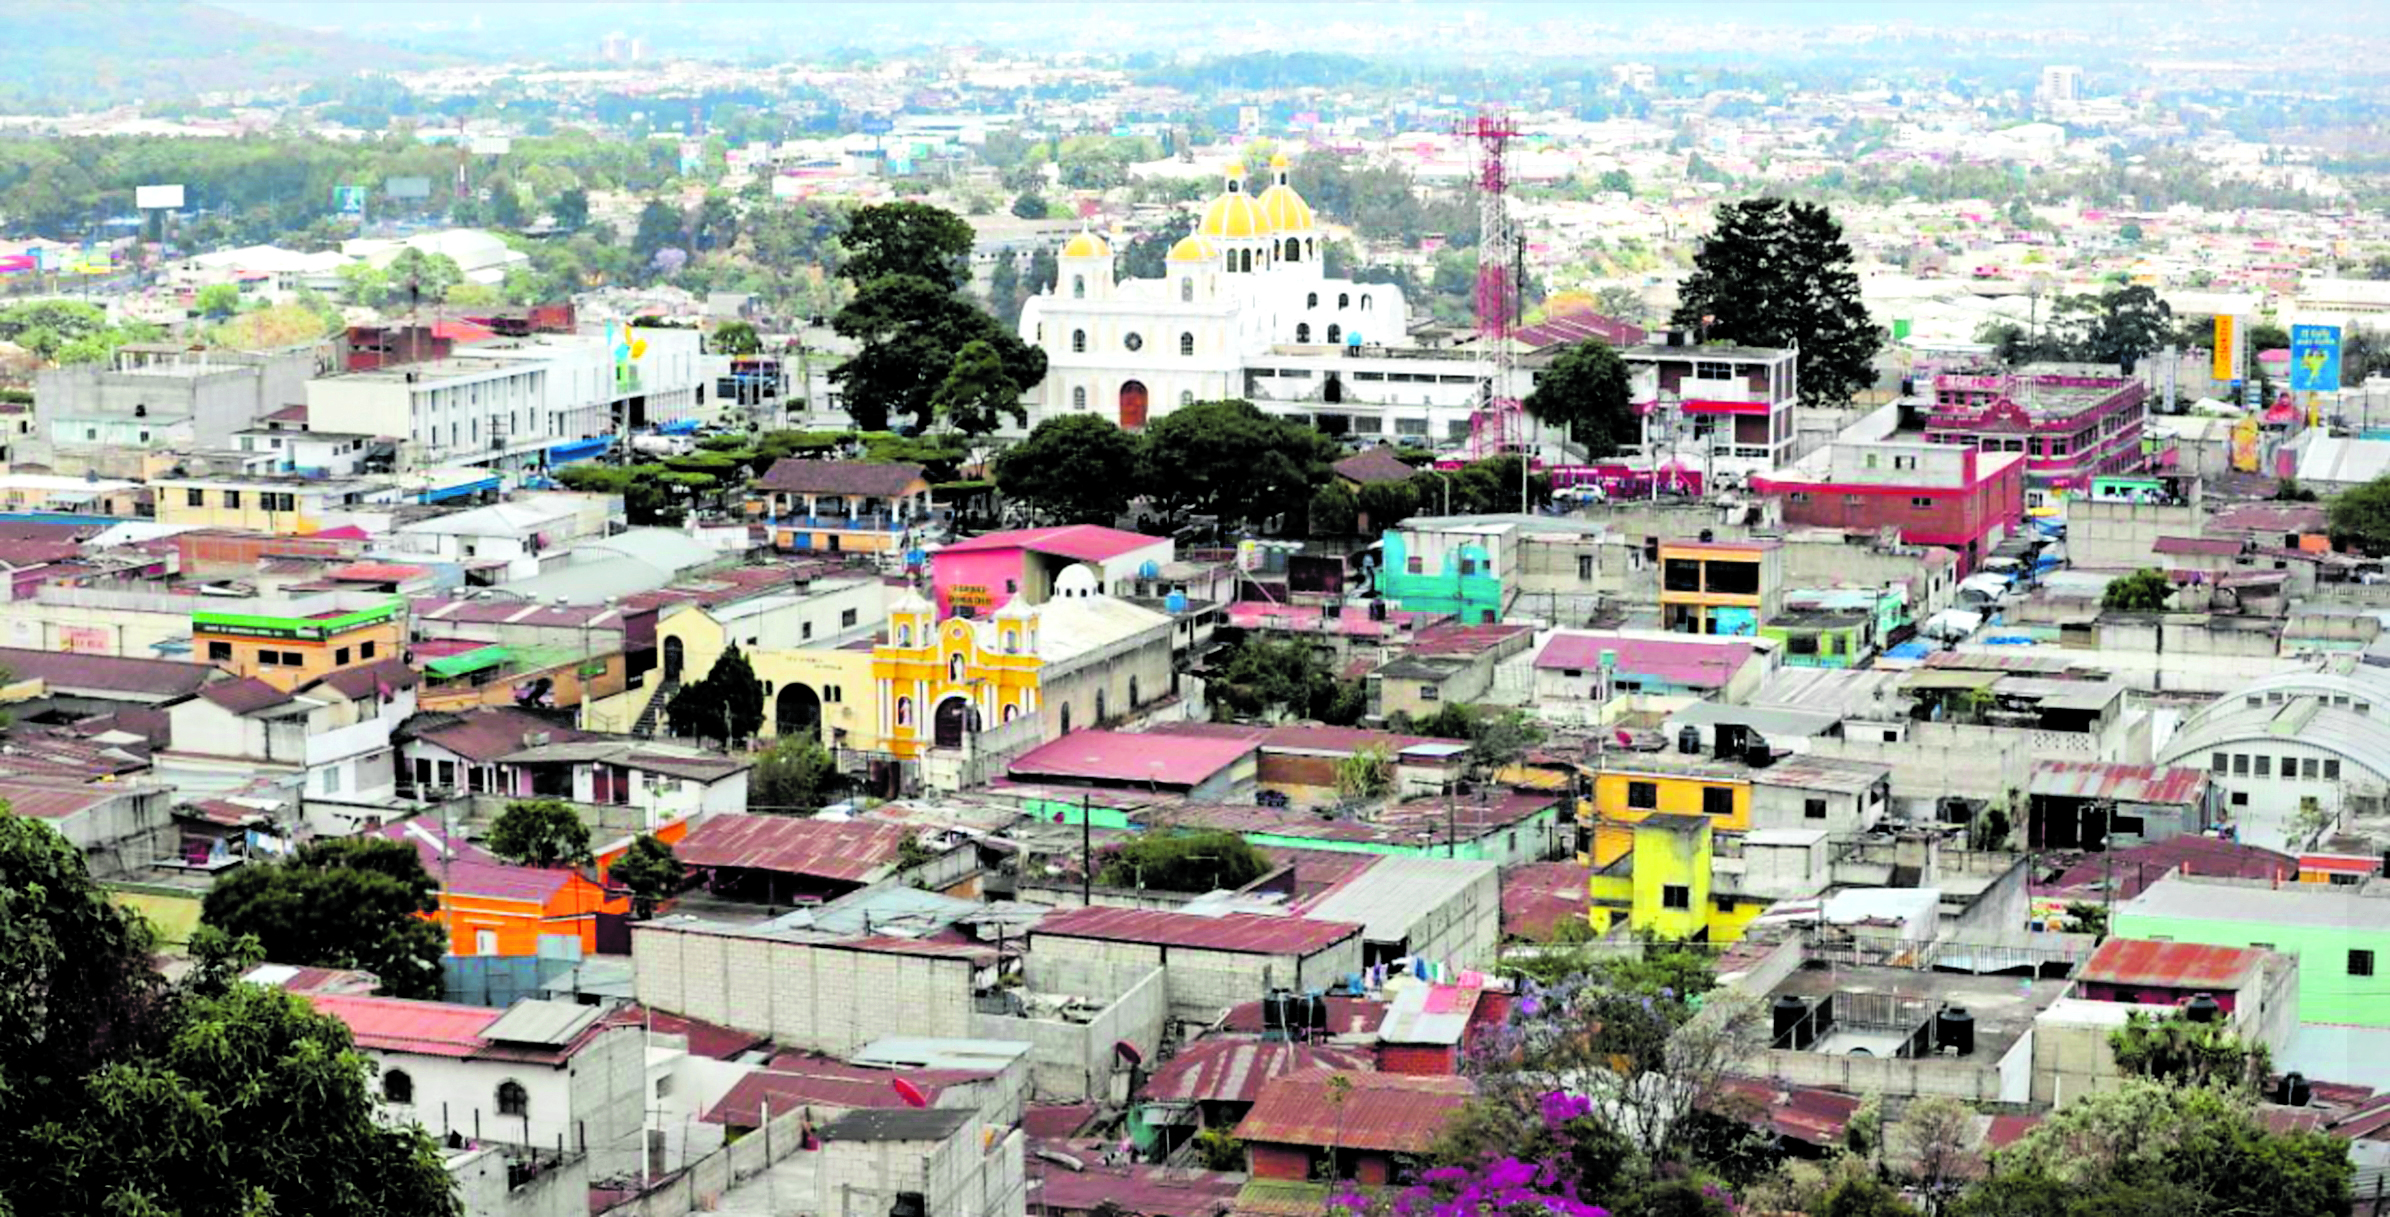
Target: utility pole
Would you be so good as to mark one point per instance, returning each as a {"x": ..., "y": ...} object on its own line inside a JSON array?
[{"x": 1086, "y": 857}]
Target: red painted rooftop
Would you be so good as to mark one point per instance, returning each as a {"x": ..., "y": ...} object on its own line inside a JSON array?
[
  {"x": 1086, "y": 542},
  {"x": 1120, "y": 756},
  {"x": 848, "y": 851},
  {"x": 1244, "y": 933},
  {"x": 2170, "y": 965},
  {"x": 1693, "y": 664},
  {"x": 1393, "y": 1113}
]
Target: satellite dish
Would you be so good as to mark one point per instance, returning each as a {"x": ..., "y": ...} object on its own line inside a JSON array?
[
  {"x": 907, "y": 1091},
  {"x": 1127, "y": 1053}
]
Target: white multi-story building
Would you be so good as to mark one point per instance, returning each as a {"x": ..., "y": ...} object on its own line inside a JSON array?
[
  {"x": 1244, "y": 310},
  {"x": 2061, "y": 84},
  {"x": 505, "y": 405}
]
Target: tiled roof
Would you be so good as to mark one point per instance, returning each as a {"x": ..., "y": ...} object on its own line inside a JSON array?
[
  {"x": 791, "y": 845},
  {"x": 1376, "y": 465},
  {"x": 1168, "y": 760},
  {"x": 1244, "y": 933},
  {"x": 247, "y": 695},
  {"x": 1086, "y": 542},
  {"x": 486, "y": 735},
  {"x": 1233, "y": 1070},
  {"x": 163, "y": 679},
  {"x": 800, "y": 475},
  {"x": 366, "y": 680},
  {"x": 1393, "y": 1113}
]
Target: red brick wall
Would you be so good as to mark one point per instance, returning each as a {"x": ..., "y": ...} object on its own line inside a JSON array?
[
  {"x": 1419, "y": 1060},
  {"x": 1373, "y": 1170},
  {"x": 1279, "y": 1161}
]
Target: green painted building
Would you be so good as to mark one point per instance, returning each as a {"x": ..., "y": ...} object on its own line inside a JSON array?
[
  {"x": 2340, "y": 938},
  {"x": 1819, "y": 638}
]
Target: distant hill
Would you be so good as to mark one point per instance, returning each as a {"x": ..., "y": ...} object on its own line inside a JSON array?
[{"x": 67, "y": 55}]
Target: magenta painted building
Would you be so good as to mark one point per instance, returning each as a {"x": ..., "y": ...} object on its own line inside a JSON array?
[
  {"x": 2070, "y": 429},
  {"x": 976, "y": 577}
]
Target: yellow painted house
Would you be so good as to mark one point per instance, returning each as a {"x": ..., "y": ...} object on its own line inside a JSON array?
[
  {"x": 933, "y": 678},
  {"x": 1630, "y": 788},
  {"x": 278, "y": 506},
  {"x": 827, "y": 689},
  {"x": 1663, "y": 884}
]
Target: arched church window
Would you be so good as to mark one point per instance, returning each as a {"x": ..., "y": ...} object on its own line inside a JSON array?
[
  {"x": 1311, "y": 300},
  {"x": 1344, "y": 300},
  {"x": 1186, "y": 288},
  {"x": 1079, "y": 398},
  {"x": 1335, "y": 334},
  {"x": 1303, "y": 331},
  {"x": 1078, "y": 342},
  {"x": 1078, "y": 287},
  {"x": 1294, "y": 250},
  {"x": 1365, "y": 303},
  {"x": 1186, "y": 344},
  {"x": 1186, "y": 397}
]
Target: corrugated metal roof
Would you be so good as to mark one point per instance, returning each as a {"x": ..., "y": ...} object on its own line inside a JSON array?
[
  {"x": 849, "y": 851},
  {"x": 789, "y": 1083},
  {"x": 1395, "y": 1113},
  {"x": 899, "y": 1124},
  {"x": 1429, "y": 1014},
  {"x": 1346, "y": 1016},
  {"x": 1391, "y": 898},
  {"x": 1163, "y": 759},
  {"x": 550, "y": 1023},
  {"x": 2170, "y": 965},
  {"x": 1233, "y": 1070},
  {"x": 1134, "y": 1191},
  {"x": 1246, "y": 933},
  {"x": 2172, "y": 785}
]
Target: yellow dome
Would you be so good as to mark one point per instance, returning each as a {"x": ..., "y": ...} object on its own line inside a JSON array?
[
  {"x": 1193, "y": 248},
  {"x": 1086, "y": 245},
  {"x": 1279, "y": 161},
  {"x": 1236, "y": 169},
  {"x": 1234, "y": 215},
  {"x": 1284, "y": 209}
]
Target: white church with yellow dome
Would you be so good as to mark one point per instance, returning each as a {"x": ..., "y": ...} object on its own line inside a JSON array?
[{"x": 1244, "y": 310}]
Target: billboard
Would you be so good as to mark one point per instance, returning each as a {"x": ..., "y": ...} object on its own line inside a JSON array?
[
  {"x": 2226, "y": 363},
  {"x": 2315, "y": 358},
  {"x": 157, "y": 198},
  {"x": 492, "y": 145},
  {"x": 408, "y": 188},
  {"x": 348, "y": 200},
  {"x": 2244, "y": 444}
]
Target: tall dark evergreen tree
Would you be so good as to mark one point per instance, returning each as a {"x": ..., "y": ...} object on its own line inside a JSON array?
[{"x": 1777, "y": 273}]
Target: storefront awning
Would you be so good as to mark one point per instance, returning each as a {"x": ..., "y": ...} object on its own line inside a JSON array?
[{"x": 579, "y": 450}]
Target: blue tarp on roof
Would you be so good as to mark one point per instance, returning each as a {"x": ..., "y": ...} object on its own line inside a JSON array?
[
  {"x": 1911, "y": 649},
  {"x": 680, "y": 426},
  {"x": 579, "y": 450},
  {"x": 441, "y": 494}
]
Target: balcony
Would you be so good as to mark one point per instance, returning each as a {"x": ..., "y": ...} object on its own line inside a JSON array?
[{"x": 846, "y": 523}]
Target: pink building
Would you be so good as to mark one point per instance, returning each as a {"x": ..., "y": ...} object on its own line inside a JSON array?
[
  {"x": 975, "y": 577},
  {"x": 2070, "y": 428}
]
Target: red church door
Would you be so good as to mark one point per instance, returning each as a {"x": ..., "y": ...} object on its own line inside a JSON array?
[{"x": 1132, "y": 405}]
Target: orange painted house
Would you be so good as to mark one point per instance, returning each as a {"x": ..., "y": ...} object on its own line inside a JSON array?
[{"x": 497, "y": 908}]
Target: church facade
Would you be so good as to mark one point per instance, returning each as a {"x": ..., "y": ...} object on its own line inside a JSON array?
[{"x": 1245, "y": 309}]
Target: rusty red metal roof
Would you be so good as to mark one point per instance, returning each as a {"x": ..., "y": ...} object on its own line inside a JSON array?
[
  {"x": 1225, "y": 1069},
  {"x": 1244, "y": 933},
  {"x": 1393, "y": 1113},
  {"x": 2167, "y": 784},
  {"x": 2170, "y": 965},
  {"x": 1346, "y": 1016},
  {"x": 1539, "y": 896},
  {"x": 824, "y": 1083},
  {"x": 1134, "y": 1191},
  {"x": 1802, "y": 1113},
  {"x": 2136, "y": 868},
  {"x": 828, "y": 849}
]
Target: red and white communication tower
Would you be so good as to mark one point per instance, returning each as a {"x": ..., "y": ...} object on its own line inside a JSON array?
[{"x": 1498, "y": 425}]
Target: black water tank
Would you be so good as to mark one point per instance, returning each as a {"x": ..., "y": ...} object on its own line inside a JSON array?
[
  {"x": 2202, "y": 1009},
  {"x": 1274, "y": 1010},
  {"x": 1708, "y": 536},
  {"x": 909, "y": 1204},
  {"x": 1757, "y": 754},
  {"x": 1789, "y": 1021},
  {"x": 1316, "y": 1015},
  {"x": 1954, "y": 1029},
  {"x": 1688, "y": 741},
  {"x": 2294, "y": 1090}
]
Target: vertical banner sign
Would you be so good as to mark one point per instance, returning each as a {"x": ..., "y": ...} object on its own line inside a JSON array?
[
  {"x": 2315, "y": 358},
  {"x": 2227, "y": 363}
]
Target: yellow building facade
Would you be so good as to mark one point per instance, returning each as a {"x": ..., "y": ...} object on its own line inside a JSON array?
[
  {"x": 934, "y": 678},
  {"x": 288, "y": 652},
  {"x": 1663, "y": 885},
  {"x": 1626, "y": 793},
  {"x": 1719, "y": 587}
]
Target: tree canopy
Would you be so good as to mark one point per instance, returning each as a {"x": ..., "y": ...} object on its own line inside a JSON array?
[
  {"x": 539, "y": 832},
  {"x": 1073, "y": 469},
  {"x": 1182, "y": 862},
  {"x": 911, "y": 330},
  {"x": 650, "y": 871},
  {"x": 2360, "y": 518},
  {"x": 797, "y": 776},
  {"x": 1264, "y": 679},
  {"x": 212, "y": 1098},
  {"x": 1776, "y": 273},
  {"x": 1585, "y": 390},
  {"x": 908, "y": 240},
  {"x": 727, "y": 705},
  {"x": 978, "y": 394},
  {"x": 2144, "y": 591},
  {"x": 343, "y": 902},
  {"x": 737, "y": 338},
  {"x": 1230, "y": 460}
]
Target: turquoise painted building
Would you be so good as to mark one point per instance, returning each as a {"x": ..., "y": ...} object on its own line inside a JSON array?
[{"x": 1460, "y": 581}]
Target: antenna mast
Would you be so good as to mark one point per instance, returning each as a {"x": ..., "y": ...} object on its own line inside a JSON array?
[{"x": 1497, "y": 425}]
